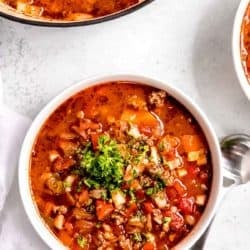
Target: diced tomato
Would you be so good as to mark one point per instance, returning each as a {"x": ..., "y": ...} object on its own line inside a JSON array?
[
  {"x": 191, "y": 143},
  {"x": 180, "y": 187},
  {"x": 171, "y": 193},
  {"x": 131, "y": 209},
  {"x": 140, "y": 194},
  {"x": 68, "y": 227},
  {"x": 148, "y": 207},
  {"x": 84, "y": 196},
  {"x": 193, "y": 170},
  {"x": 169, "y": 155},
  {"x": 117, "y": 229},
  {"x": 94, "y": 140},
  {"x": 146, "y": 130},
  {"x": 48, "y": 208},
  {"x": 148, "y": 246},
  {"x": 103, "y": 209},
  {"x": 203, "y": 175},
  {"x": 65, "y": 237},
  {"x": 177, "y": 221},
  {"x": 187, "y": 205}
]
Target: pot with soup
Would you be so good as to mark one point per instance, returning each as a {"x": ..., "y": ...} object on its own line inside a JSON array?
[
  {"x": 67, "y": 13},
  {"x": 121, "y": 165}
]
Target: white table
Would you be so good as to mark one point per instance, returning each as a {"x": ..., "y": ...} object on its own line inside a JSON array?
[{"x": 186, "y": 43}]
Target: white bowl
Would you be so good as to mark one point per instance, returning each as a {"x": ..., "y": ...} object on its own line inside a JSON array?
[
  {"x": 236, "y": 47},
  {"x": 24, "y": 161}
]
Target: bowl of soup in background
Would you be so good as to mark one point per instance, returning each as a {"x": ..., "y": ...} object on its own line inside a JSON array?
[
  {"x": 241, "y": 45},
  {"x": 61, "y": 14},
  {"x": 175, "y": 217}
]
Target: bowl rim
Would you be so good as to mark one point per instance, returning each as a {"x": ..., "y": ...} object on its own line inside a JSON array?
[
  {"x": 23, "y": 167},
  {"x": 63, "y": 24},
  {"x": 236, "y": 47}
]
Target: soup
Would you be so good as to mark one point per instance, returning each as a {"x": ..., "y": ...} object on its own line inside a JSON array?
[
  {"x": 245, "y": 42},
  {"x": 120, "y": 166},
  {"x": 70, "y": 10}
]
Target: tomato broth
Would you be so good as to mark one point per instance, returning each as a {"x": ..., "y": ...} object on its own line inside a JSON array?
[{"x": 121, "y": 166}]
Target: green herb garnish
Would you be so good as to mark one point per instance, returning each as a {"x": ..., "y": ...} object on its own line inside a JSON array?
[
  {"x": 142, "y": 153},
  {"x": 159, "y": 185},
  {"x": 81, "y": 241},
  {"x": 132, "y": 195},
  {"x": 103, "y": 167},
  {"x": 161, "y": 146},
  {"x": 167, "y": 220},
  {"x": 150, "y": 191},
  {"x": 66, "y": 184},
  {"x": 137, "y": 237}
]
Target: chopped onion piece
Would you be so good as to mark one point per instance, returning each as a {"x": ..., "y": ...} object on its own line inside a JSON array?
[
  {"x": 53, "y": 155},
  {"x": 176, "y": 163},
  {"x": 21, "y": 6},
  {"x": 68, "y": 182},
  {"x": 118, "y": 198},
  {"x": 80, "y": 114},
  {"x": 160, "y": 199},
  {"x": 154, "y": 155},
  {"x": 198, "y": 156},
  {"x": 190, "y": 220},
  {"x": 204, "y": 187},
  {"x": 182, "y": 172},
  {"x": 193, "y": 156},
  {"x": 200, "y": 199},
  {"x": 134, "y": 131},
  {"x": 150, "y": 237},
  {"x": 202, "y": 160},
  {"x": 59, "y": 221}
]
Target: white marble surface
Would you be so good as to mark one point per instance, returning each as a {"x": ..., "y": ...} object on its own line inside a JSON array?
[{"x": 186, "y": 43}]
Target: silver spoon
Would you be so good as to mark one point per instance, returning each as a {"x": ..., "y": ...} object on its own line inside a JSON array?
[{"x": 236, "y": 167}]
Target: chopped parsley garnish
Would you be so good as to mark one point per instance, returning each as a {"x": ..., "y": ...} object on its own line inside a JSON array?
[
  {"x": 81, "y": 241},
  {"x": 134, "y": 172},
  {"x": 150, "y": 191},
  {"x": 132, "y": 195},
  {"x": 167, "y": 220},
  {"x": 79, "y": 186},
  {"x": 137, "y": 237},
  {"x": 142, "y": 153},
  {"x": 103, "y": 167},
  {"x": 161, "y": 146},
  {"x": 159, "y": 185},
  {"x": 104, "y": 195},
  {"x": 66, "y": 184}
]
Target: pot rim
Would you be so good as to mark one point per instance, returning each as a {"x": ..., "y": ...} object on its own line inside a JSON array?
[{"x": 63, "y": 24}]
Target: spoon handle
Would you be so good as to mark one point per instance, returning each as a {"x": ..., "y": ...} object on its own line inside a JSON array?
[{"x": 227, "y": 185}]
